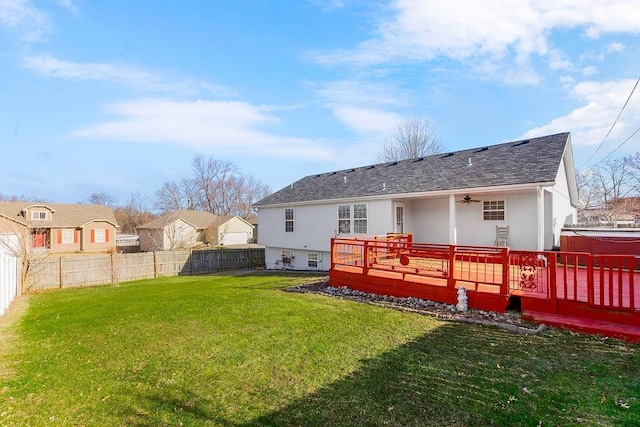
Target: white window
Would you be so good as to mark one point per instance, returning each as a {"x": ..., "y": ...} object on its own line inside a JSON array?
[
  {"x": 99, "y": 235},
  {"x": 360, "y": 219},
  {"x": 312, "y": 259},
  {"x": 493, "y": 210},
  {"x": 288, "y": 220},
  {"x": 356, "y": 222},
  {"x": 344, "y": 219},
  {"x": 38, "y": 215},
  {"x": 67, "y": 236}
]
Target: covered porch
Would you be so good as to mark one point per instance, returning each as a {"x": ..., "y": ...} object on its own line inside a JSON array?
[{"x": 470, "y": 217}]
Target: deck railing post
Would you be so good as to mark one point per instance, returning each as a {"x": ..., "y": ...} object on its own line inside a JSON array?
[
  {"x": 365, "y": 256},
  {"x": 553, "y": 280},
  {"x": 504, "y": 287},
  {"x": 333, "y": 253},
  {"x": 451, "y": 281}
]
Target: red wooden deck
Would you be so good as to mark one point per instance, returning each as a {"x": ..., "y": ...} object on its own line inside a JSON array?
[{"x": 579, "y": 291}]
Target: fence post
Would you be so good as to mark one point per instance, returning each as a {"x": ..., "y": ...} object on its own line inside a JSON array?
[
  {"x": 190, "y": 262},
  {"x": 155, "y": 264},
  {"x": 61, "y": 273}
]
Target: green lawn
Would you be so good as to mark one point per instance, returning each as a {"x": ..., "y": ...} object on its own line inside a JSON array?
[{"x": 238, "y": 351}]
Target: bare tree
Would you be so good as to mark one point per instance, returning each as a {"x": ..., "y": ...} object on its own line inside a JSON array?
[
  {"x": 135, "y": 213},
  {"x": 102, "y": 198},
  {"x": 605, "y": 190},
  {"x": 174, "y": 196},
  {"x": 17, "y": 239},
  {"x": 412, "y": 139},
  {"x": 217, "y": 186}
]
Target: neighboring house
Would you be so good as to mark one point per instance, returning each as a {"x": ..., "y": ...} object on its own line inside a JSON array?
[
  {"x": 253, "y": 220},
  {"x": 189, "y": 228},
  {"x": 453, "y": 198},
  {"x": 59, "y": 227},
  {"x": 624, "y": 211}
]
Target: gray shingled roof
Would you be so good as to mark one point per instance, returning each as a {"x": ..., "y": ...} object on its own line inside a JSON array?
[
  {"x": 199, "y": 219},
  {"x": 64, "y": 215},
  {"x": 530, "y": 161}
]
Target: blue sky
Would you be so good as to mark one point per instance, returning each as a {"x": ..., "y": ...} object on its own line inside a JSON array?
[{"x": 118, "y": 96}]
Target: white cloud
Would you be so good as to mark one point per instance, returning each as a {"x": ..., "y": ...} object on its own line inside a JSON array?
[
  {"x": 21, "y": 17},
  {"x": 69, "y": 5},
  {"x": 205, "y": 125},
  {"x": 367, "y": 120},
  {"x": 504, "y": 32},
  {"x": 362, "y": 105},
  {"x": 589, "y": 124},
  {"x": 135, "y": 78}
]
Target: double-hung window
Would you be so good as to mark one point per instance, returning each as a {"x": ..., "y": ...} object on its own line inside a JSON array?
[
  {"x": 353, "y": 219},
  {"x": 288, "y": 220}
]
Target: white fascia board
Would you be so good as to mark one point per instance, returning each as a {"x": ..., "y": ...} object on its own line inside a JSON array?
[{"x": 387, "y": 196}]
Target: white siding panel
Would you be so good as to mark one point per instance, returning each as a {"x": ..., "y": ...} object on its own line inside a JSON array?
[{"x": 430, "y": 221}]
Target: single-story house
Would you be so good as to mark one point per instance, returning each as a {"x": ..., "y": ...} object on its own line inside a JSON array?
[
  {"x": 189, "y": 228},
  {"x": 58, "y": 227},
  {"x": 459, "y": 197}
]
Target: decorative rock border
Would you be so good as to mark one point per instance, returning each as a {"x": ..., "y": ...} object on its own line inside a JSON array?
[{"x": 510, "y": 321}]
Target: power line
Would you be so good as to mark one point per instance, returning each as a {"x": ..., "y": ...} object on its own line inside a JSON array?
[
  {"x": 623, "y": 142},
  {"x": 611, "y": 128}
]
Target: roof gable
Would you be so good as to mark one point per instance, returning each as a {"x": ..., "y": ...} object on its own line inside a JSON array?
[
  {"x": 529, "y": 161},
  {"x": 62, "y": 215},
  {"x": 197, "y": 219}
]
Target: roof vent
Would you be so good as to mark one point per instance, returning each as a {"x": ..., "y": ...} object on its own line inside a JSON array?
[
  {"x": 351, "y": 170},
  {"x": 332, "y": 173},
  {"x": 392, "y": 164},
  {"x": 446, "y": 155},
  {"x": 480, "y": 150},
  {"x": 345, "y": 179},
  {"x": 517, "y": 144},
  {"x": 370, "y": 167}
]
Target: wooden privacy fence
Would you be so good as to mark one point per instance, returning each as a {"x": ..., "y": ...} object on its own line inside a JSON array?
[{"x": 75, "y": 271}]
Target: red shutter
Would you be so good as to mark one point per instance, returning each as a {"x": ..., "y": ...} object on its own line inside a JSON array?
[
  {"x": 76, "y": 236},
  {"x": 59, "y": 236},
  {"x": 93, "y": 236},
  {"x": 106, "y": 235}
]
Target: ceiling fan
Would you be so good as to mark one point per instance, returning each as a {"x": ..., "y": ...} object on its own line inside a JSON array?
[{"x": 467, "y": 199}]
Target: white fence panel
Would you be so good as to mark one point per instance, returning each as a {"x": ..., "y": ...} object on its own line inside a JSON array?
[{"x": 8, "y": 279}]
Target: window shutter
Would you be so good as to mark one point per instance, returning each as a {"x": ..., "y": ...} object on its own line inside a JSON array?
[
  {"x": 59, "y": 236},
  {"x": 93, "y": 236},
  {"x": 76, "y": 236},
  {"x": 106, "y": 235}
]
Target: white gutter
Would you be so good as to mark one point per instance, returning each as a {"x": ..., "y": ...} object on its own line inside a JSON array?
[{"x": 416, "y": 195}]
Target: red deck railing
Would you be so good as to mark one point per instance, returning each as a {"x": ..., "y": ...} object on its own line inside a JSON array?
[{"x": 547, "y": 280}]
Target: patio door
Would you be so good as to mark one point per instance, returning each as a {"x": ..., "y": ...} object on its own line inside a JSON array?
[{"x": 399, "y": 218}]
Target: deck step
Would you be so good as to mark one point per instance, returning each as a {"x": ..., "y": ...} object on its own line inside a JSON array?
[{"x": 580, "y": 324}]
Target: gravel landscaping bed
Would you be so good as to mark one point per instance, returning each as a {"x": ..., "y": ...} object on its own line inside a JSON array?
[{"x": 511, "y": 320}]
